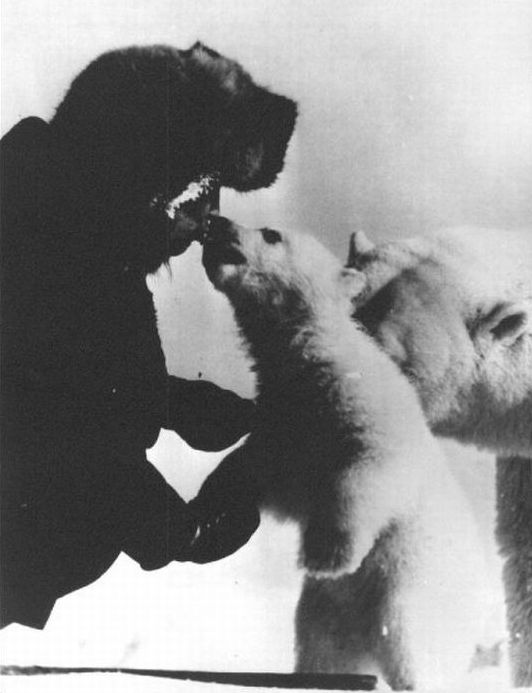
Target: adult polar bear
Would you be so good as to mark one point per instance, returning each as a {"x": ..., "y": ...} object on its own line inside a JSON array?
[{"x": 455, "y": 312}]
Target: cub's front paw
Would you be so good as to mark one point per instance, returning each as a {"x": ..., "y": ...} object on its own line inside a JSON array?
[{"x": 327, "y": 552}]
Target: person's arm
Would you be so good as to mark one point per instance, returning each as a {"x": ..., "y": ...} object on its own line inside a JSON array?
[{"x": 206, "y": 416}]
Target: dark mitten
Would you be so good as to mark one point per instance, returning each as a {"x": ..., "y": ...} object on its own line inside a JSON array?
[
  {"x": 226, "y": 509},
  {"x": 161, "y": 525},
  {"x": 221, "y": 534},
  {"x": 206, "y": 416}
]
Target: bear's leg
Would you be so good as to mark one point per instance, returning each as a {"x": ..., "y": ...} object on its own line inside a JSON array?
[
  {"x": 353, "y": 508},
  {"x": 432, "y": 608},
  {"x": 391, "y": 567},
  {"x": 514, "y": 533},
  {"x": 343, "y": 625},
  {"x": 334, "y": 627},
  {"x": 406, "y": 639}
]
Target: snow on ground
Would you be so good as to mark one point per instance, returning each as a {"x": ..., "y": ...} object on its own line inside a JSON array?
[
  {"x": 103, "y": 683},
  {"x": 125, "y": 683}
]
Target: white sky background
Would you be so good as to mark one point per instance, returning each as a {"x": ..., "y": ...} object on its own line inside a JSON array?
[{"x": 413, "y": 115}]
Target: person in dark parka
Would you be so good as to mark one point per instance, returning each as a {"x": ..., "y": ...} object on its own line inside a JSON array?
[{"x": 86, "y": 215}]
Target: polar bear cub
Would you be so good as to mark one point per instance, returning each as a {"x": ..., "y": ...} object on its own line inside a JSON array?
[{"x": 342, "y": 448}]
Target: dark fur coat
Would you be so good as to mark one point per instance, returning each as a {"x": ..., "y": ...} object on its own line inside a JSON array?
[{"x": 84, "y": 384}]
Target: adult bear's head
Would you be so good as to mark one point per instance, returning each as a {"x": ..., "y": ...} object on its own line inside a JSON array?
[
  {"x": 144, "y": 122},
  {"x": 454, "y": 311}
]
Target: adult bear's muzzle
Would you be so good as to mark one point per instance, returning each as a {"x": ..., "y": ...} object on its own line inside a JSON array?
[{"x": 255, "y": 150}]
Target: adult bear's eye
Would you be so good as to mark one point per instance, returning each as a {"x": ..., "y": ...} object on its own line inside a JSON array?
[{"x": 271, "y": 236}]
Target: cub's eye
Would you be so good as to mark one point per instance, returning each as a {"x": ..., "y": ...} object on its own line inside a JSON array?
[{"x": 270, "y": 236}]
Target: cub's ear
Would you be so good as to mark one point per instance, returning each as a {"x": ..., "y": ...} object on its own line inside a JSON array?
[
  {"x": 359, "y": 245},
  {"x": 353, "y": 282},
  {"x": 505, "y": 323}
]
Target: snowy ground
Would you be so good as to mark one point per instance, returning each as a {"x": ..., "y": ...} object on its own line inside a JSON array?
[
  {"x": 235, "y": 615},
  {"x": 123, "y": 683},
  {"x": 480, "y": 682}
]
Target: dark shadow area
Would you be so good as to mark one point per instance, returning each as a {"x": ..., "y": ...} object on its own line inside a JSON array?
[{"x": 338, "y": 682}]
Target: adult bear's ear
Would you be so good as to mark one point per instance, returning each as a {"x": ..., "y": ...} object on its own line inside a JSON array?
[
  {"x": 256, "y": 149},
  {"x": 359, "y": 246},
  {"x": 353, "y": 282},
  {"x": 505, "y": 323},
  {"x": 201, "y": 49}
]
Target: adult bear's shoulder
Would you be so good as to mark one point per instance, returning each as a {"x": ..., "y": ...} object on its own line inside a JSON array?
[
  {"x": 30, "y": 169},
  {"x": 29, "y": 133},
  {"x": 24, "y": 150}
]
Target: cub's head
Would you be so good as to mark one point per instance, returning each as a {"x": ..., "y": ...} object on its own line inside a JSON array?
[
  {"x": 454, "y": 311},
  {"x": 274, "y": 275}
]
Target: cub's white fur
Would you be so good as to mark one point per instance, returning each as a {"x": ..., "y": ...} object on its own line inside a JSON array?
[{"x": 342, "y": 448}]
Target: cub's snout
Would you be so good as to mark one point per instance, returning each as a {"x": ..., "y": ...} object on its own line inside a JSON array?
[
  {"x": 222, "y": 246},
  {"x": 228, "y": 246},
  {"x": 221, "y": 230}
]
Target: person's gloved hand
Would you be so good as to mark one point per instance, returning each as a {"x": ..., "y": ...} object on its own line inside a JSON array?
[
  {"x": 220, "y": 534},
  {"x": 206, "y": 416},
  {"x": 226, "y": 510}
]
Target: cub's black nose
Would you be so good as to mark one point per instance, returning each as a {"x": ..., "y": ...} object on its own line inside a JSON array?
[
  {"x": 221, "y": 246},
  {"x": 219, "y": 229}
]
